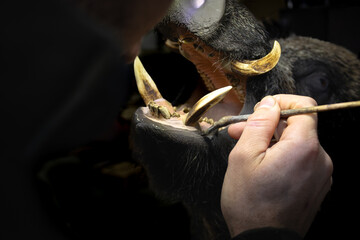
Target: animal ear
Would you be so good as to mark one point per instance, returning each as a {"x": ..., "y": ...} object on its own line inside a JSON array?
[
  {"x": 318, "y": 82},
  {"x": 316, "y": 85}
]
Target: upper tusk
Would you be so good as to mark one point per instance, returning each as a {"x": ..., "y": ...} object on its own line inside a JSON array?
[
  {"x": 260, "y": 66},
  {"x": 146, "y": 86},
  {"x": 204, "y": 104},
  {"x": 150, "y": 93}
]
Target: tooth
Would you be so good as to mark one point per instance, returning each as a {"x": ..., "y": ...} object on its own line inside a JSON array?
[
  {"x": 146, "y": 86},
  {"x": 164, "y": 112},
  {"x": 172, "y": 44},
  {"x": 204, "y": 104},
  {"x": 260, "y": 66}
]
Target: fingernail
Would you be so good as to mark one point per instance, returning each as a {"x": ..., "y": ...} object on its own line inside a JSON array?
[{"x": 266, "y": 102}]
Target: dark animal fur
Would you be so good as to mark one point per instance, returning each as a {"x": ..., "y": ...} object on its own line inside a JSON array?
[{"x": 183, "y": 171}]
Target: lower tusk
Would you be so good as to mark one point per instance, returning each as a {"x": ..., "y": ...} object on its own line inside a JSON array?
[
  {"x": 146, "y": 86},
  {"x": 260, "y": 66},
  {"x": 204, "y": 104}
]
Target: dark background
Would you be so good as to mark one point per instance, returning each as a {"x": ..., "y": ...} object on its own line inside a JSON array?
[
  {"x": 98, "y": 191},
  {"x": 334, "y": 21}
]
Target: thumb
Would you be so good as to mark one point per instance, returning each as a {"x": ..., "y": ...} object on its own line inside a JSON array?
[{"x": 259, "y": 129}]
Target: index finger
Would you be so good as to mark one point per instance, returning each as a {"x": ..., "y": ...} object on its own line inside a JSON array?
[
  {"x": 299, "y": 126},
  {"x": 259, "y": 129}
]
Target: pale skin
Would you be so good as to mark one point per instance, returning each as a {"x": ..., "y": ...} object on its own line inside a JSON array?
[
  {"x": 279, "y": 184},
  {"x": 142, "y": 16}
]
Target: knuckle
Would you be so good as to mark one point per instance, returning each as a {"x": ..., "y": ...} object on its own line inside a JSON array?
[
  {"x": 312, "y": 146},
  {"x": 309, "y": 147},
  {"x": 307, "y": 102},
  {"x": 315, "y": 155},
  {"x": 329, "y": 167},
  {"x": 262, "y": 122},
  {"x": 237, "y": 155},
  {"x": 311, "y": 101},
  {"x": 295, "y": 101},
  {"x": 233, "y": 158}
]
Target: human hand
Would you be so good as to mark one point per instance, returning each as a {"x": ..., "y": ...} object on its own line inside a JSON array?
[{"x": 275, "y": 185}]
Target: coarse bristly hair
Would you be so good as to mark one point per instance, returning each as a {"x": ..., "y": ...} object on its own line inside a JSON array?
[
  {"x": 238, "y": 33},
  {"x": 342, "y": 65}
]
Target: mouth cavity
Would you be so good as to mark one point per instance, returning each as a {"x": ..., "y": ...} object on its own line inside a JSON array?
[{"x": 224, "y": 78}]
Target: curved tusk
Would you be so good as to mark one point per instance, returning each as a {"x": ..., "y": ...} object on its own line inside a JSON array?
[
  {"x": 260, "y": 66},
  {"x": 204, "y": 104},
  {"x": 146, "y": 86},
  {"x": 150, "y": 93}
]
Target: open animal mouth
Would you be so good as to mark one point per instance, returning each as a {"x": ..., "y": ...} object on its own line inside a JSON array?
[{"x": 223, "y": 77}]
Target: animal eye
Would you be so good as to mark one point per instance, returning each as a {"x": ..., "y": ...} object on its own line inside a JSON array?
[{"x": 315, "y": 85}]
